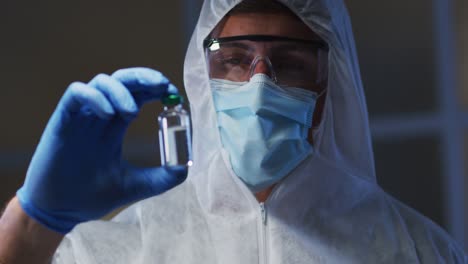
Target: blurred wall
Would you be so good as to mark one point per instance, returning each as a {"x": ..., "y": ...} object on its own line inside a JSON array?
[
  {"x": 414, "y": 74},
  {"x": 461, "y": 27},
  {"x": 396, "y": 53},
  {"x": 397, "y": 58}
]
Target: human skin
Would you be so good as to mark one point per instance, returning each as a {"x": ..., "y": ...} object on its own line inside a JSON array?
[{"x": 23, "y": 240}]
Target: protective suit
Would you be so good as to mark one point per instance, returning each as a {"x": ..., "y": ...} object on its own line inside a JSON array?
[{"x": 329, "y": 209}]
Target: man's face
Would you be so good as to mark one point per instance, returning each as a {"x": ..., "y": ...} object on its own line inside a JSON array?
[{"x": 274, "y": 24}]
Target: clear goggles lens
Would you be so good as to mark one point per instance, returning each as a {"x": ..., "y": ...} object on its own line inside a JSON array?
[{"x": 289, "y": 62}]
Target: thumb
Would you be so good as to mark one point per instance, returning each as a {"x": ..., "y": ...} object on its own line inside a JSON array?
[{"x": 142, "y": 183}]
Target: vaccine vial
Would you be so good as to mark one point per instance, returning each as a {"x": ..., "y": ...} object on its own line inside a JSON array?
[{"x": 175, "y": 142}]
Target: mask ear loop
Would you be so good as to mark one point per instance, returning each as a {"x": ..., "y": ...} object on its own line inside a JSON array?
[
  {"x": 322, "y": 79},
  {"x": 257, "y": 59},
  {"x": 321, "y": 93},
  {"x": 322, "y": 66}
]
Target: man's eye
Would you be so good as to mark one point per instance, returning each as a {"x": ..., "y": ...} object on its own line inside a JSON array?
[{"x": 232, "y": 61}]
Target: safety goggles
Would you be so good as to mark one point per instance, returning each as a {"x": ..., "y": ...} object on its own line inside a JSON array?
[{"x": 289, "y": 62}]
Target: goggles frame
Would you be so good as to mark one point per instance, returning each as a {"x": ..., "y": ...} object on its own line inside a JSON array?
[
  {"x": 212, "y": 45},
  {"x": 209, "y": 42}
]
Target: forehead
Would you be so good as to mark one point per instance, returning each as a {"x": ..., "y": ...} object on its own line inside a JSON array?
[{"x": 276, "y": 24}]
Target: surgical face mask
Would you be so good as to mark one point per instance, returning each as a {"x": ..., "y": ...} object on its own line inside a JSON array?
[{"x": 263, "y": 127}]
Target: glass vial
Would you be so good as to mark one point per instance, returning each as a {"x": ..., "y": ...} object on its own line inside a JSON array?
[{"x": 175, "y": 142}]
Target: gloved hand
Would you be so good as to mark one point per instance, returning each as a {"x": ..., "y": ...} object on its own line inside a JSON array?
[{"x": 76, "y": 173}]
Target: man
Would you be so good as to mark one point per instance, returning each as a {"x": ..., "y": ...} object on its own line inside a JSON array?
[{"x": 283, "y": 168}]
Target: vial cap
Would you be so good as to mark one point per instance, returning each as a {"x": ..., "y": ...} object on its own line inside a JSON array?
[{"x": 172, "y": 99}]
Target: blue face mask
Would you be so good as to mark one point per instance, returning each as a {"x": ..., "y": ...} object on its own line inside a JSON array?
[{"x": 263, "y": 127}]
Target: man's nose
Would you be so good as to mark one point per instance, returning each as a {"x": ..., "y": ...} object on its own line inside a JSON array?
[{"x": 262, "y": 65}]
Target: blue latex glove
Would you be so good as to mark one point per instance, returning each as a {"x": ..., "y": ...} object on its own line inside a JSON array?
[{"x": 76, "y": 173}]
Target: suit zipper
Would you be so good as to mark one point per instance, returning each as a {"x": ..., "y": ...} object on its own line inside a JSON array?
[{"x": 263, "y": 246}]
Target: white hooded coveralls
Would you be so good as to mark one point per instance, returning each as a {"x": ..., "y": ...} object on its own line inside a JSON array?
[{"x": 328, "y": 210}]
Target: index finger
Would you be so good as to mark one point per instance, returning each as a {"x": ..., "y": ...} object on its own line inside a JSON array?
[{"x": 144, "y": 83}]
